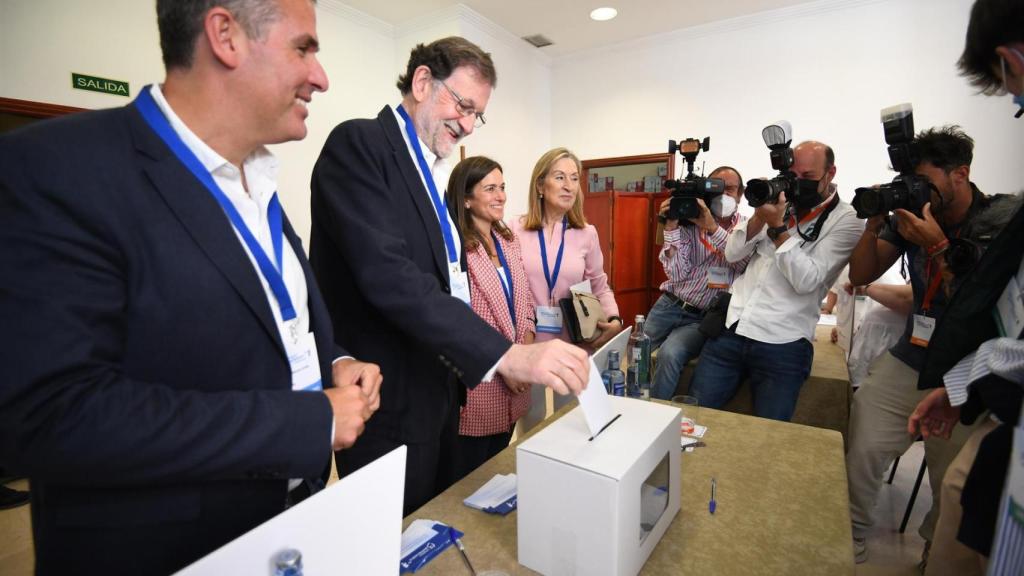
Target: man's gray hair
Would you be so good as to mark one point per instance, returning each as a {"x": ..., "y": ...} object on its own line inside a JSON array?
[{"x": 181, "y": 23}]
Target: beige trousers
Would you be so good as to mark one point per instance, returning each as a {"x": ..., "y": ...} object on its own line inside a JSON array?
[
  {"x": 948, "y": 556},
  {"x": 878, "y": 434}
]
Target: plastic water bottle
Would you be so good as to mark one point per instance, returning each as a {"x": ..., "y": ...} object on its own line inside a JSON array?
[
  {"x": 638, "y": 351},
  {"x": 288, "y": 563},
  {"x": 614, "y": 379}
]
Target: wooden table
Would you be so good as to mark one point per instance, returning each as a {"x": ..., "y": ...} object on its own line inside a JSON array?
[{"x": 782, "y": 506}]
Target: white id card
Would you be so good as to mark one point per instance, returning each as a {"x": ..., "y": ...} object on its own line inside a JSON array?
[
  {"x": 1010, "y": 310},
  {"x": 583, "y": 286},
  {"x": 923, "y": 328},
  {"x": 549, "y": 319},
  {"x": 718, "y": 277},
  {"x": 460, "y": 283},
  {"x": 304, "y": 362}
]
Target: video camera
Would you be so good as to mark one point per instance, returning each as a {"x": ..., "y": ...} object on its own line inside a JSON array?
[
  {"x": 908, "y": 190},
  {"x": 685, "y": 192},
  {"x": 760, "y": 191}
]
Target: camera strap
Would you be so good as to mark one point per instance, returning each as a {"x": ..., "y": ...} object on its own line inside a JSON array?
[
  {"x": 822, "y": 212},
  {"x": 933, "y": 286},
  {"x": 703, "y": 237}
]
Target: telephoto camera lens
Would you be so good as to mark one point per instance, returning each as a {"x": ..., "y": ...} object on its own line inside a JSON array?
[
  {"x": 871, "y": 201},
  {"x": 760, "y": 191}
]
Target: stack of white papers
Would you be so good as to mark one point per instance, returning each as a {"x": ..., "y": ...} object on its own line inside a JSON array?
[
  {"x": 422, "y": 541},
  {"x": 417, "y": 534},
  {"x": 497, "y": 496}
]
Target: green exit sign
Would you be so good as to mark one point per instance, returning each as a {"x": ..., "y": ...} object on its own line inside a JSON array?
[{"x": 105, "y": 85}]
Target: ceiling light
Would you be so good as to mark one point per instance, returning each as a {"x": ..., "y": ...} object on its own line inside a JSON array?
[{"x": 602, "y": 14}]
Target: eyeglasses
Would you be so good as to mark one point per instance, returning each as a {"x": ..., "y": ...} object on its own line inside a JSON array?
[{"x": 465, "y": 109}]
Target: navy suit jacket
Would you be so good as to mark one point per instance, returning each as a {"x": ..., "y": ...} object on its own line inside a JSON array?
[
  {"x": 146, "y": 390},
  {"x": 378, "y": 252}
]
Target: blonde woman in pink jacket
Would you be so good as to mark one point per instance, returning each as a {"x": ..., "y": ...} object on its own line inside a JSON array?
[{"x": 560, "y": 250}]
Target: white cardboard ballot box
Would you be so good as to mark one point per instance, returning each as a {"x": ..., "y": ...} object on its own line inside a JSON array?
[{"x": 598, "y": 506}]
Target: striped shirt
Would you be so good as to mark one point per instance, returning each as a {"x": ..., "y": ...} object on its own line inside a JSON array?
[
  {"x": 1003, "y": 357},
  {"x": 1008, "y": 547},
  {"x": 687, "y": 260}
]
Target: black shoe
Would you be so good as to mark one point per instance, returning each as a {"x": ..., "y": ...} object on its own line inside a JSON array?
[{"x": 10, "y": 498}]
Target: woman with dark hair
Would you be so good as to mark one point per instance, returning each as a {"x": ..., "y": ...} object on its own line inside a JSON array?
[{"x": 500, "y": 294}]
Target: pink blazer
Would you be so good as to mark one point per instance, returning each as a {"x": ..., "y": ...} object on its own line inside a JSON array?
[
  {"x": 491, "y": 408},
  {"x": 581, "y": 260}
]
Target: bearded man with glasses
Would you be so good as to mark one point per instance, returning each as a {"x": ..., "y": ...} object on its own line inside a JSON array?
[{"x": 389, "y": 260}]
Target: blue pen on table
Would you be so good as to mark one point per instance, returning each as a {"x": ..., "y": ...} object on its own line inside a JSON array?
[
  {"x": 462, "y": 550},
  {"x": 712, "y": 504}
]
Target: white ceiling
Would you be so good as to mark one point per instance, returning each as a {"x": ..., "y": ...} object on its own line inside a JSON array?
[{"x": 567, "y": 22}]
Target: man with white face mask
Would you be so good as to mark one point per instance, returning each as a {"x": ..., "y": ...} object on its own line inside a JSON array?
[{"x": 694, "y": 259}]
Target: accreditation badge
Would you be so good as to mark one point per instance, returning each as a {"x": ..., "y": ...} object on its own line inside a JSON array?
[
  {"x": 923, "y": 328},
  {"x": 718, "y": 277},
  {"x": 1009, "y": 310},
  {"x": 549, "y": 319},
  {"x": 460, "y": 283},
  {"x": 305, "y": 363}
]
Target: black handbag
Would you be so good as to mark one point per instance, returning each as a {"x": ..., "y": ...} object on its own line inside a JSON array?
[{"x": 581, "y": 313}]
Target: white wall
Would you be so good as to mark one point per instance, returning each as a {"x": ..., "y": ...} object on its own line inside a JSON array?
[
  {"x": 356, "y": 52},
  {"x": 827, "y": 67},
  {"x": 43, "y": 41}
]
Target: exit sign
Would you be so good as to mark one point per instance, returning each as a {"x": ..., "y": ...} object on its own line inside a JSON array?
[{"x": 105, "y": 85}]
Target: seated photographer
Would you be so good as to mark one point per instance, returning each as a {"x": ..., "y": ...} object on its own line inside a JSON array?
[
  {"x": 798, "y": 247},
  {"x": 697, "y": 272},
  {"x": 959, "y": 213}
]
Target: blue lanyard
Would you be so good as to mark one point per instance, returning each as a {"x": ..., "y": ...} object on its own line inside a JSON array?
[
  {"x": 156, "y": 120},
  {"x": 507, "y": 287},
  {"x": 440, "y": 207},
  {"x": 558, "y": 259}
]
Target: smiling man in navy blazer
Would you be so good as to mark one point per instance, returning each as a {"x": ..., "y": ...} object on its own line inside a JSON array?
[
  {"x": 167, "y": 355},
  {"x": 388, "y": 258}
]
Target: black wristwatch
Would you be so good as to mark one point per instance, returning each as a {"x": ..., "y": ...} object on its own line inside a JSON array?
[
  {"x": 614, "y": 318},
  {"x": 776, "y": 231}
]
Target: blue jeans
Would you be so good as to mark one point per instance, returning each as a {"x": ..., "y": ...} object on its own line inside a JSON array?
[
  {"x": 673, "y": 332},
  {"x": 777, "y": 372}
]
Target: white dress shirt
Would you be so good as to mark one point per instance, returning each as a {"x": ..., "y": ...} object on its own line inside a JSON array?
[
  {"x": 441, "y": 171},
  {"x": 261, "y": 177},
  {"x": 778, "y": 299}
]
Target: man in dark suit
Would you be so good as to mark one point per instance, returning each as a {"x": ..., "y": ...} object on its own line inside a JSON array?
[
  {"x": 163, "y": 345},
  {"x": 387, "y": 256}
]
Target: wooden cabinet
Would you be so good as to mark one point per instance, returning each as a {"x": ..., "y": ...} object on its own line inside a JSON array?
[{"x": 627, "y": 225}]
